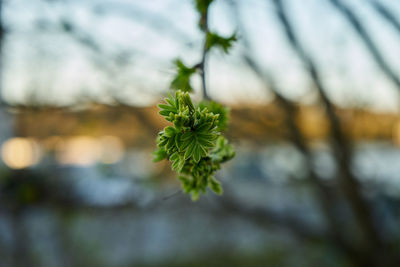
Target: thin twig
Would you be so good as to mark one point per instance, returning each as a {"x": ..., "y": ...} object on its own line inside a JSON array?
[
  {"x": 202, "y": 65},
  {"x": 177, "y": 192}
]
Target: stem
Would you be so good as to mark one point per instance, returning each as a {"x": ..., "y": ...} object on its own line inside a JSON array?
[
  {"x": 203, "y": 75},
  {"x": 1, "y": 50},
  {"x": 202, "y": 65}
]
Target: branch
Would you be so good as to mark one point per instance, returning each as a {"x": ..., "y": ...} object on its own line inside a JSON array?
[
  {"x": 2, "y": 33},
  {"x": 341, "y": 146},
  {"x": 265, "y": 217},
  {"x": 324, "y": 193},
  {"x": 386, "y": 13},
  {"x": 366, "y": 38},
  {"x": 202, "y": 65},
  {"x": 157, "y": 21}
]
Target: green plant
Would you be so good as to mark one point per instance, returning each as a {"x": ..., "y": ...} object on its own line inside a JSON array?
[{"x": 194, "y": 142}]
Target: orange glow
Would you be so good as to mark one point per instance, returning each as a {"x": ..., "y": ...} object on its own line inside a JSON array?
[
  {"x": 18, "y": 153},
  {"x": 79, "y": 150},
  {"x": 86, "y": 150},
  {"x": 112, "y": 149},
  {"x": 396, "y": 133},
  {"x": 52, "y": 142}
]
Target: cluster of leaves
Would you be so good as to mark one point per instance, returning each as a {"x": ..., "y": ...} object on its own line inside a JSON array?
[{"x": 193, "y": 143}]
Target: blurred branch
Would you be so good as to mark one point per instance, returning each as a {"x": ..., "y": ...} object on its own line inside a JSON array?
[
  {"x": 100, "y": 57},
  {"x": 134, "y": 12},
  {"x": 366, "y": 38},
  {"x": 1, "y": 51},
  {"x": 341, "y": 146},
  {"x": 84, "y": 39},
  {"x": 324, "y": 193},
  {"x": 386, "y": 13},
  {"x": 265, "y": 217}
]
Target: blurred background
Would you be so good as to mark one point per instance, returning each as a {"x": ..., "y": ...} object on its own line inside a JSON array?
[{"x": 313, "y": 88}]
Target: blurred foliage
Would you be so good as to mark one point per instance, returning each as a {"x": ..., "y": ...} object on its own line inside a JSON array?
[
  {"x": 22, "y": 187},
  {"x": 217, "y": 41},
  {"x": 182, "y": 78}
]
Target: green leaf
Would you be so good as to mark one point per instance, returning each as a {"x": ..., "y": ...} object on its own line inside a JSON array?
[
  {"x": 170, "y": 131},
  {"x": 206, "y": 142},
  {"x": 199, "y": 144},
  {"x": 223, "y": 151},
  {"x": 187, "y": 136},
  {"x": 197, "y": 153},
  {"x": 188, "y": 101},
  {"x": 170, "y": 144},
  {"x": 207, "y": 136},
  {"x": 171, "y": 102},
  {"x": 224, "y": 43},
  {"x": 167, "y": 107},
  {"x": 159, "y": 155},
  {"x": 190, "y": 150},
  {"x": 204, "y": 128},
  {"x": 183, "y": 145},
  {"x": 215, "y": 186},
  {"x": 182, "y": 77},
  {"x": 164, "y": 112},
  {"x": 195, "y": 195}
]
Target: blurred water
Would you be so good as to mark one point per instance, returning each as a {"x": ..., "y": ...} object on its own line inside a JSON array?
[{"x": 175, "y": 229}]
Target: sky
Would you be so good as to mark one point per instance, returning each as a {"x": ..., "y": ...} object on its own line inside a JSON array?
[{"x": 136, "y": 42}]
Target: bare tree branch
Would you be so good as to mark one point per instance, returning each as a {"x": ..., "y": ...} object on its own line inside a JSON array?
[
  {"x": 265, "y": 217},
  {"x": 324, "y": 193},
  {"x": 341, "y": 145},
  {"x": 366, "y": 38},
  {"x": 386, "y": 13},
  {"x": 157, "y": 21}
]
